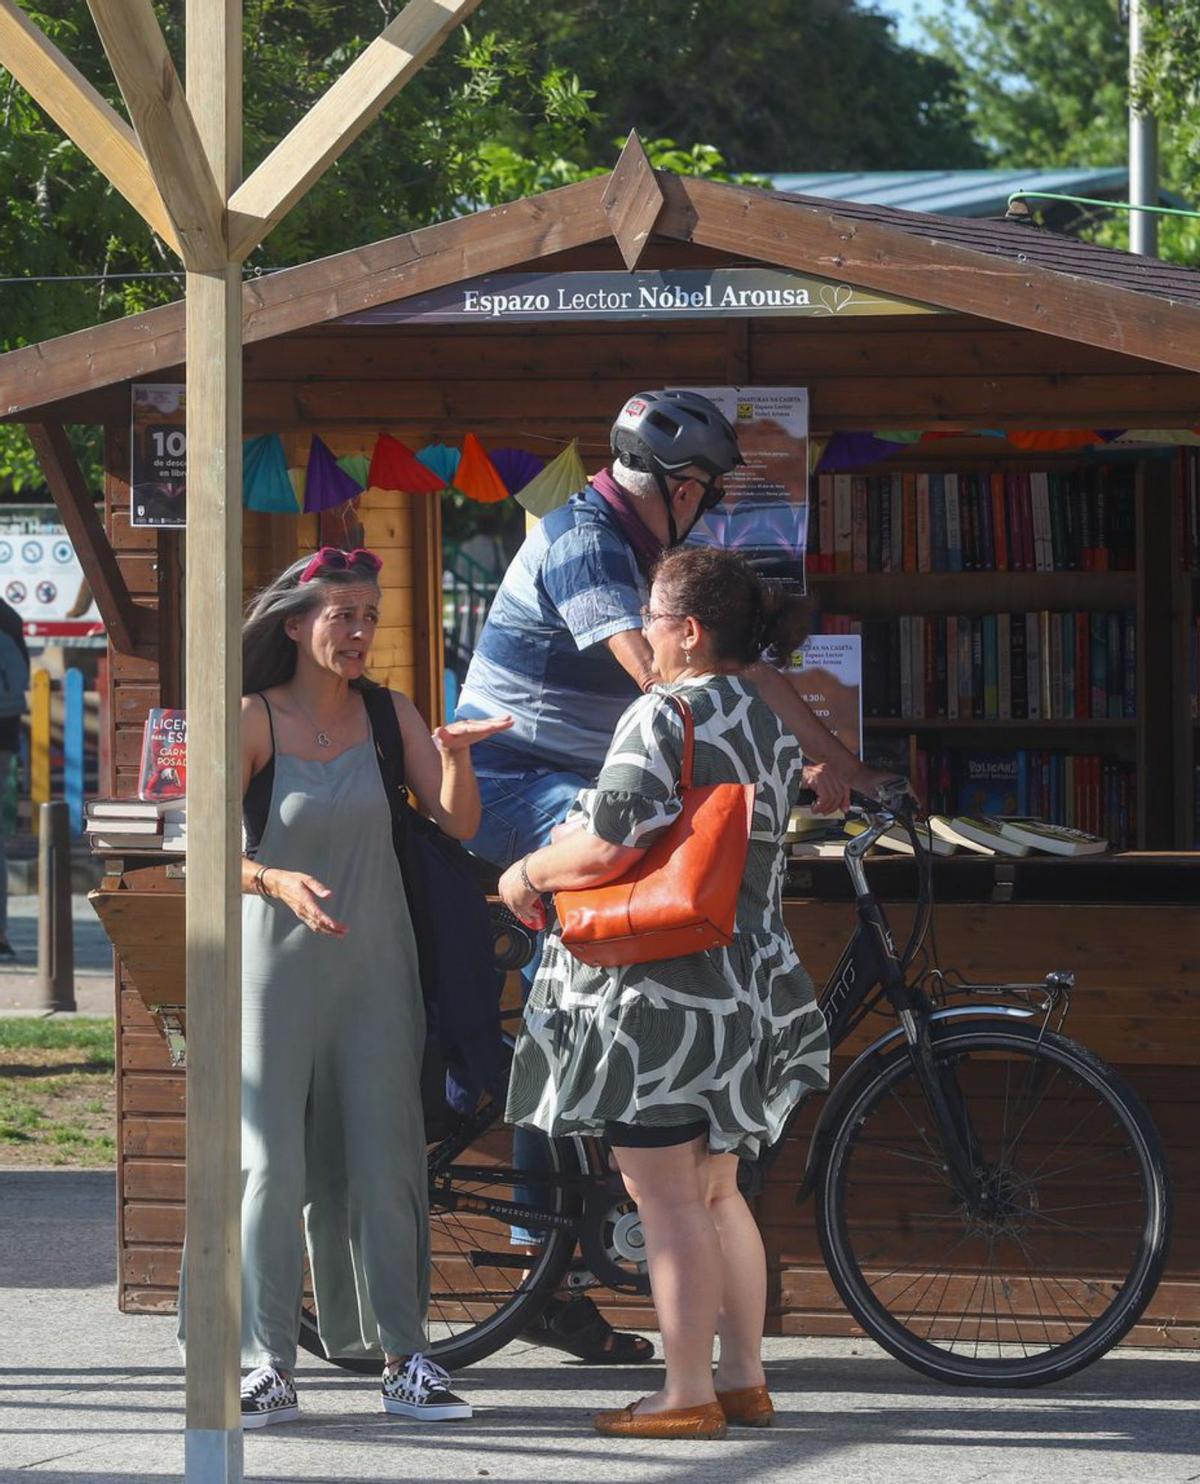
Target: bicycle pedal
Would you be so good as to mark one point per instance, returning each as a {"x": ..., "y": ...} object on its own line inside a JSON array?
[{"x": 576, "y": 1280}]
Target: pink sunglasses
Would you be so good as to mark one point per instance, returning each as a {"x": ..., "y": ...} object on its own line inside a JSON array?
[{"x": 333, "y": 559}]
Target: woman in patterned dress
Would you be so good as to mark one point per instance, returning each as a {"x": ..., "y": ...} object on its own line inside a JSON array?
[{"x": 688, "y": 1063}]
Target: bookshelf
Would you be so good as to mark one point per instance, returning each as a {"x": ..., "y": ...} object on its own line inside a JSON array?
[{"x": 976, "y": 553}]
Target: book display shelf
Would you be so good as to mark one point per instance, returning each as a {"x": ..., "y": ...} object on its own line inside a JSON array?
[{"x": 1014, "y": 633}]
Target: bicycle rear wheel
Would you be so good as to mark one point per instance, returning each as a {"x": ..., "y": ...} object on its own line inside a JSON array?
[
  {"x": 484, "y": 1290},
  {"x": 1069, "y": 1246}
]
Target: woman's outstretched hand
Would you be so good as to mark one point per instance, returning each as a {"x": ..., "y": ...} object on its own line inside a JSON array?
[
  {"x": 520, "y": 901},
  {"x": 457, "y": 736},
  {"x": 302, "y": 895}
]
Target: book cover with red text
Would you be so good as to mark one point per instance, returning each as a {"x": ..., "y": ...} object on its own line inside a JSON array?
[{"x": 163, "y": 773}]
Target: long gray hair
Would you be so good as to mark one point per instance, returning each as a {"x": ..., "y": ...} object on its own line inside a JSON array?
[{"x": 268, "y": 652}]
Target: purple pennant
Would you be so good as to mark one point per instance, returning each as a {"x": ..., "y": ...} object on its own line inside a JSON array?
[
  {"x": 853, "y": 450},
  {"x": 516, "y": 467},
  {"x": 326, "y": 486}
]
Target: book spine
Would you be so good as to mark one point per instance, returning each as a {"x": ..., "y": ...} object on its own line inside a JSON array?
[
  {"x": 1071, "y": 523},
  {"x": 1101, "y": 518},
  {"x": 941, "y": 664},
  {"x": 977, "y": 708},
  {"x": 1033, "y": 667},
  {"x": 1012, "y": 505},
  {"x": 937, "y": 523},
  {"x": 1004, "y": 666},
  {"x": 954, "y": 556},
  {"x": 825, "y": 522},
  {"x": 987, "y": 542},
  {"x": 910, "y": 524},
  {"x": 1087, "y": 551},
  {"x": 893, "y": 692},
  {"x": 1129, "y": 650},
  {"x": 1058, "y": 527},
  {"x": 999, "y": 533},
  {"x": 1039, "y": 499},
  {"x": 1098, "y": 668},
  {"x": 1083, "y": 666},
  {"x": 906, "y": 674},
  {"x": 1019, "y": 660},
  {"x": 884, "y": 494},
  {"x": 842, "y": 522},
  {"x": 918, "y": 664},
  {"x": 952, "y": 678},
  {"x": 965, "y": 680},
  {"x": 1026, "y": 501},
  {"x": 1066, "y": 626},
  {"x": 923, "y": 553},
  {"x": 858, "y": 524},
  {"x": 1114, "y": 681},
  {"x": 1054, "y": 628},
  {"x": 897, "y": 523}
]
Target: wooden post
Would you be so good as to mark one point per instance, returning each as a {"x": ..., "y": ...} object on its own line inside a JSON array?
[{"x": 213, "y": 573}]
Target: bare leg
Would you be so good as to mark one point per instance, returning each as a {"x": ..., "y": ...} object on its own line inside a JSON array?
[
  {"x": 684, "y": 1256},
  {"x": 743, "y": 1278}
]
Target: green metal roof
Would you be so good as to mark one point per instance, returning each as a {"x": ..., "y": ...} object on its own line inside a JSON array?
[{"x": 960, "y": 192}]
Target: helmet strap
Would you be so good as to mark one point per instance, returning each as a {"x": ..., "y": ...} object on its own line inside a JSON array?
[{"x": 673, "y": 537}]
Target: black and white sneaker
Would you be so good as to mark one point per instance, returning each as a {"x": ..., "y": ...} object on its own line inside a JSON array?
[
  {"x": 268, "y": 1396},
  {"x": 419, "y": 1389}
]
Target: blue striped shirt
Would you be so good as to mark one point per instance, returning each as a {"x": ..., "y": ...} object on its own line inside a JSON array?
[{"x": 541, "y": 656}]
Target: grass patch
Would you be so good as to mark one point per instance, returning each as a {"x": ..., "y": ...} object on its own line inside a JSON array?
[{"x": 57, "y": 1092}]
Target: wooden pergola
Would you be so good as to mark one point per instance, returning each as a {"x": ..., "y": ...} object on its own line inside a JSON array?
[{"x": 180, "y": 167}]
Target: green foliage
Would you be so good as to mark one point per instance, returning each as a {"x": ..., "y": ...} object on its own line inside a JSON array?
[
  {"x": 1048, "y": 84},
  {"x": 1169, "y": 80}
]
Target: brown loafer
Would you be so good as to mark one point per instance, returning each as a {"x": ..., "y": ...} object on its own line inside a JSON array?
[
  {"x": 707, "y": 1421},
  {"x": 750, "y": 1406}
]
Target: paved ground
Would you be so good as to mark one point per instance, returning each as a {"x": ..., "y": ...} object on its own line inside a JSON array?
[
  {"x": 93, "y": 960},
  {"x": 87, "y": 1394}
]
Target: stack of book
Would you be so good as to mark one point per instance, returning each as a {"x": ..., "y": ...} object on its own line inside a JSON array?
[
  {"x": 812, "y": 836},
  {"x": 982, "y": 522},
  {"x": 988, "y": 834},
  {"x": 1040, "y": 665},
  {"x": 136, "y": 824}
]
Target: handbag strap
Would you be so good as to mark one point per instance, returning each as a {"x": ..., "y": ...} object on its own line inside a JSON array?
[
  {"x": 389, "y": 749},
  {"x": 689, "y": 740}
]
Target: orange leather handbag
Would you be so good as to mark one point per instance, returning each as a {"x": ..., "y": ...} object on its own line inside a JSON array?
[{"x": 681, "y": 897}]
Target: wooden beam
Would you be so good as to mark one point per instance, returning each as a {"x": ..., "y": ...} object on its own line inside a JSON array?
[
  {"x": 131, "y": 630},
  {"x": 633, "y": 200},
  {"x": 213, "y": 578},
  {"x": 141, "y": 345},
  {"x": 95, "y": 128},
  {"x": 912, "y": 265},
  {"x": 145, "y": 73},
  {"x": 337, "y": 118}
]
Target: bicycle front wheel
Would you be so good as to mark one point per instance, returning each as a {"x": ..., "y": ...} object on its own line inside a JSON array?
[{"x": 1061, "y": 1255}]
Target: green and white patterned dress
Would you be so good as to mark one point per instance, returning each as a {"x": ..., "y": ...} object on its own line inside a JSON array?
[{"x": 732, "y": 1034}]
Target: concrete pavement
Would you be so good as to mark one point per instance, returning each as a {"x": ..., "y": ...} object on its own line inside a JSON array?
[
  {"x": 93, "y": 960},
  {"x": 89, "y": 1394}
]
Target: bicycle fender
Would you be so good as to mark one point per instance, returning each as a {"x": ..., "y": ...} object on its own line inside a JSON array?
[{"x": 846, "y": 1086}]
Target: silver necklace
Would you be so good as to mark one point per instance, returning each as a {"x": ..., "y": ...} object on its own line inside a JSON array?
[{"x": 320, "y": 735}]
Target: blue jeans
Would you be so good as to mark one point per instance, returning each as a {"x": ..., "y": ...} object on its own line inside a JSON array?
[{"x": 522, "y": 802}]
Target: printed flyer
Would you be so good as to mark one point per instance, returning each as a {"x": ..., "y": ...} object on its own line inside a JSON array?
[
  {"x": 765, "y": 512},
  {"x": 829, "y": 667},
  {"x": 158, "y": 477}
]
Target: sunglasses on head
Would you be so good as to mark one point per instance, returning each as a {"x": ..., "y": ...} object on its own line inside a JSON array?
[{"x": 333, "y": 559}]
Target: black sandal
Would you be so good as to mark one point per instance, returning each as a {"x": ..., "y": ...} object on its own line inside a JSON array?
[{"x": 576, "y": 1326}]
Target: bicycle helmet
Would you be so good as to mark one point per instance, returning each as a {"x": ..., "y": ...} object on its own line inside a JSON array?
[{"x": 665, "y": 432}]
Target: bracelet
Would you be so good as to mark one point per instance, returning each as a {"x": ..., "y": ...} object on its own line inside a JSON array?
[
  {"x": 258, "y": 884},
  {"x": 525, "y": 881}
]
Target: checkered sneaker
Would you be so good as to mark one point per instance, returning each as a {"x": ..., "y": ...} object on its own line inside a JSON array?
[
  {"x": 268, "y": 1396},
  {"x": 419, "y": 1389}
]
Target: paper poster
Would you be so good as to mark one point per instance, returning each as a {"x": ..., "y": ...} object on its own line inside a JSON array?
[
  {"x": 829, "y": 668},
  {"x": 41, "y": 578},
  {"x": 158, "y": 477},
  {"x": 765, "y": 511}
]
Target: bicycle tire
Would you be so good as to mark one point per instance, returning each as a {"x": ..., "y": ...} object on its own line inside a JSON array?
[
  {"x": 982, "y": 1048},
  {"x": 475, "y": 1341}
]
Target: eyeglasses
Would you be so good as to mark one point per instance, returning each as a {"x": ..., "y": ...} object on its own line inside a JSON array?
[
  {"x": 649, "y": 617},
  {"x": 333, "y": 559}
]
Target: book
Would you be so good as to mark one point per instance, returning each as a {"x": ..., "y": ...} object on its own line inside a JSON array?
[
  {"x": 123, "y": 840},
  {"x": 954, "y": 556},
  {"x": 143, "y": 828},
  {"x": 817, "y": 849},
  {"x": 896, "y": 839},
  {"x": 1056, "y": 839},
  {"x": 986, "y": 830},
  {"x": 124, "y": 808},
  {"x": 843, "y": 521},
  {"x": 942, "y": 829},
  {"x": 989, "y": 783},
  {"x": 163, "y": 772}
]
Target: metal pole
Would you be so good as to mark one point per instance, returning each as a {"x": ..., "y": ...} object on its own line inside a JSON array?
[
  {"x": 1143, "y": 146},
  {"x": 56, "y": 945}
]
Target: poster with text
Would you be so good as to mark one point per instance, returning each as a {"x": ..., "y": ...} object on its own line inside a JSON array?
[
  {"x": 829, "y": 671},
  {"x": 765, "y": 511},
  {"x": 158, "y": 477},
  {"x": 41, "y": 578}
]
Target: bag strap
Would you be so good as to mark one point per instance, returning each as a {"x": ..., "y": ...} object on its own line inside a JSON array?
[
  {"x": 689, "y": 740},
  {"x": 389, "y": 748}
]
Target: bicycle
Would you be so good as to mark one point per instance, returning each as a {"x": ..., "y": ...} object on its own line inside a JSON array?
[{"x": 991, "y": 1199}]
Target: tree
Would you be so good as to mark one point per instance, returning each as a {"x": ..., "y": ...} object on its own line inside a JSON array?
[{"x": 1047, "y": 83}]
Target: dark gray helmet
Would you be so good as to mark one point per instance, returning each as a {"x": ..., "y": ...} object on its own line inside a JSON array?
[{"x": 666, "y": 431}]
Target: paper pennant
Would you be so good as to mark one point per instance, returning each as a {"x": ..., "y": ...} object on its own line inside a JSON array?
[
  {"x": 476, "y": 474},
  {"x": 265, "y": 482},
  {"x": 1053, "y": 440},
  {"x": 394, "y": 466},
  {"x": 326, "y": 486},
  {"x": 559, "y": 480},
  {"x": 516, "y": 467},
  {"x": 356, "y": 465},
  {"x": 441, "y": 458}
]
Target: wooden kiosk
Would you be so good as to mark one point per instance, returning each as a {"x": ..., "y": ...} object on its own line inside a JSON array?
[{"x": 1017, "y": 329}]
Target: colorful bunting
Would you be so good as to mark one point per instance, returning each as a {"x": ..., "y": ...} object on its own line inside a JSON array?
[
  {"x": 441, "y": 458},
  {"x": 516, "y": 467},
  {"x": 394, "y": 466},
  {"x": 476, "y": 475},
  {"x": 326, "y": 486},
  {"x": 559, "y": 480},
  {"x": 265, "y": 482},
  {"x": 356, "y": 465}
]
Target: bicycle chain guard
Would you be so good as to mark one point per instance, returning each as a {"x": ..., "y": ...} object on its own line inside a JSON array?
[{"x": 611, "y": 1238}]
